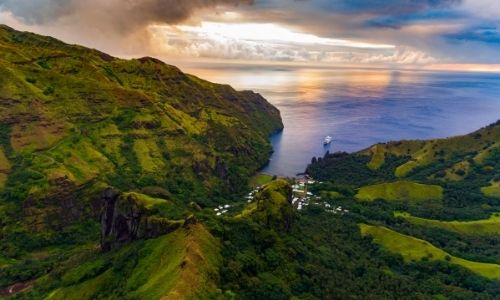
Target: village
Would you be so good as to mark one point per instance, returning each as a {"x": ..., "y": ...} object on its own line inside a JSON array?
[{"x": 302, "y": 198}]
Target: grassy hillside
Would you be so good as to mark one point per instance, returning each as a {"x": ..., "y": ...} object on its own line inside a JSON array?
[
  {"x": 181, "y": 264},
  {"x": 492, "y": 191},
  {"x": 322, "y": 255},
  {"x": 460, "y": 172},
  {"x": 401, "y": 191},
  {"x": 452, "y": 156},
  {"x": 478, "y": 146},
  {"x": 415, "y": 249},
  {"x": 72, "y": 117},
  {"x": 74, "y": 121},
  {"x": 77, "y": 115},
  {"x": 433, "y": 203},
  {"x": 490, "y": 226}
]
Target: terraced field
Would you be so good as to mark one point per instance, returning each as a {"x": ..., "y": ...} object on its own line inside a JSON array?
[
  {"x": 401, "y": 191},
  {"x": 413, "y": 249},
  {"x": 490, "y": 226}
]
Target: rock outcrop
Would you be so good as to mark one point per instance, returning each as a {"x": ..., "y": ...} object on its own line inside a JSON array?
[{"x": 125, "y": 218}]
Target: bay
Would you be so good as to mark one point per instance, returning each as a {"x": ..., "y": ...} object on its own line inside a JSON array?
[{"x": 360, "y": 107}]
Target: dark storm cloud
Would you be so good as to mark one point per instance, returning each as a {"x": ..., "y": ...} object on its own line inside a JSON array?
[{"x": 125, "y": 13}]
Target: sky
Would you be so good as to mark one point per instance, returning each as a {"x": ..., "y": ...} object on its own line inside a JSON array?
[{"x": 462, "y": 34}]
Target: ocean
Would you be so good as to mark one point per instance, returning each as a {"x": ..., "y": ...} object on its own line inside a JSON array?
[{"x": 360, "y": 107}]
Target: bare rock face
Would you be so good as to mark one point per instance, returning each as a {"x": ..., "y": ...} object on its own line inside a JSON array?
[{"x": 124, "y": 218}]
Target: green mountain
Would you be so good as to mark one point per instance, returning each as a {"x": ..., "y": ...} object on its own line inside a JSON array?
[
  {"x": 427, "y": 202},
  {"x": 456, "y": 177},
  {"x": 75, "y": 121},
  {"x": 128, "y": 179}
]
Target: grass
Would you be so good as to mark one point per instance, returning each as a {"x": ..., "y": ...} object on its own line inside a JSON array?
[
  {"x": 270, "y": 203},
  {"x": 214, "y": 116},
  {"x": 36, "y": 136},
  {"x": 84, "y": 161},
  {"x": 413, "y": 249},
  {"x": 378, "y": 157},
  {"x": 260, "y": 179},
  {"x": 75, "y": 114},
  {"x": 480, "y": 143},
  {"x": 492, "y": 191},
  {"x": 174, "y": 266},
  {"x": 401, "y": 191},
  {"x": 486, "y": 153},
  {"x": 247, "y": 211},
  {"x": 145, "y": 200},
  {"x": 490, "y": 226},
  {"x": 4, "y": 162},
  {"x": 458, "y": 172},
  {"x": 57, "y": 95},
  {"x": 149, "y": 155}
]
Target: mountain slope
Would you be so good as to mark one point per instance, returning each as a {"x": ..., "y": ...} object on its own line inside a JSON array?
[
  {"x": 427, "y": 203},
  {"x": 74, "y": 121},
  {"x": 72, "y": 116}
]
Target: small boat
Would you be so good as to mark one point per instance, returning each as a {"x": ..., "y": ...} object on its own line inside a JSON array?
[{"x": 328, "y": 140}]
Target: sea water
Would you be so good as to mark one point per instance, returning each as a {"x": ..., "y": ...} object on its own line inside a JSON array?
[{"x": 360, "y": 107}]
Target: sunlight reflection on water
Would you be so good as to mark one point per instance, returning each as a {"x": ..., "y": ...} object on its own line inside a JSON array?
[{"x": 361, "y": 107}]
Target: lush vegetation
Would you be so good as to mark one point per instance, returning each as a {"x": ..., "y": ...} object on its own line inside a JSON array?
[
  {"x": 401, "y": 220},
  {"x": 326, "y": 256},
  {"x": 425, "y": 201},
  {"x": 74, "y": 121},
  {"x": 413, "y": 249},
  {"x": 401, "y": 191},
  {"x": 490, "y": 226},
  {"x": 260, "y": 179}
]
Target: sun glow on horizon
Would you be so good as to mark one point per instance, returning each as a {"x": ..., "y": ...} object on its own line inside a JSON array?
[{"x": 269, "y": 32}]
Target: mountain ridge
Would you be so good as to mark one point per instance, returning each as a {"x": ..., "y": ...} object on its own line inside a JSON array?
[{"x": 75, "y": 121}]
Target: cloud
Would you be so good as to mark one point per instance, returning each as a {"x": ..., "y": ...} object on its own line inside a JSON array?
[
  {"x": 116, "y": 26},
  {"x": 186, "y": 42},
  {"x": 385, "y": 7},
  {"x": 488, "y": 35},
  {"x": 483, "y": 9},
  {"x": 132, "y": 12},
  {"x": 421, "y": 30},
  {"x": 399, "y": 21}
]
